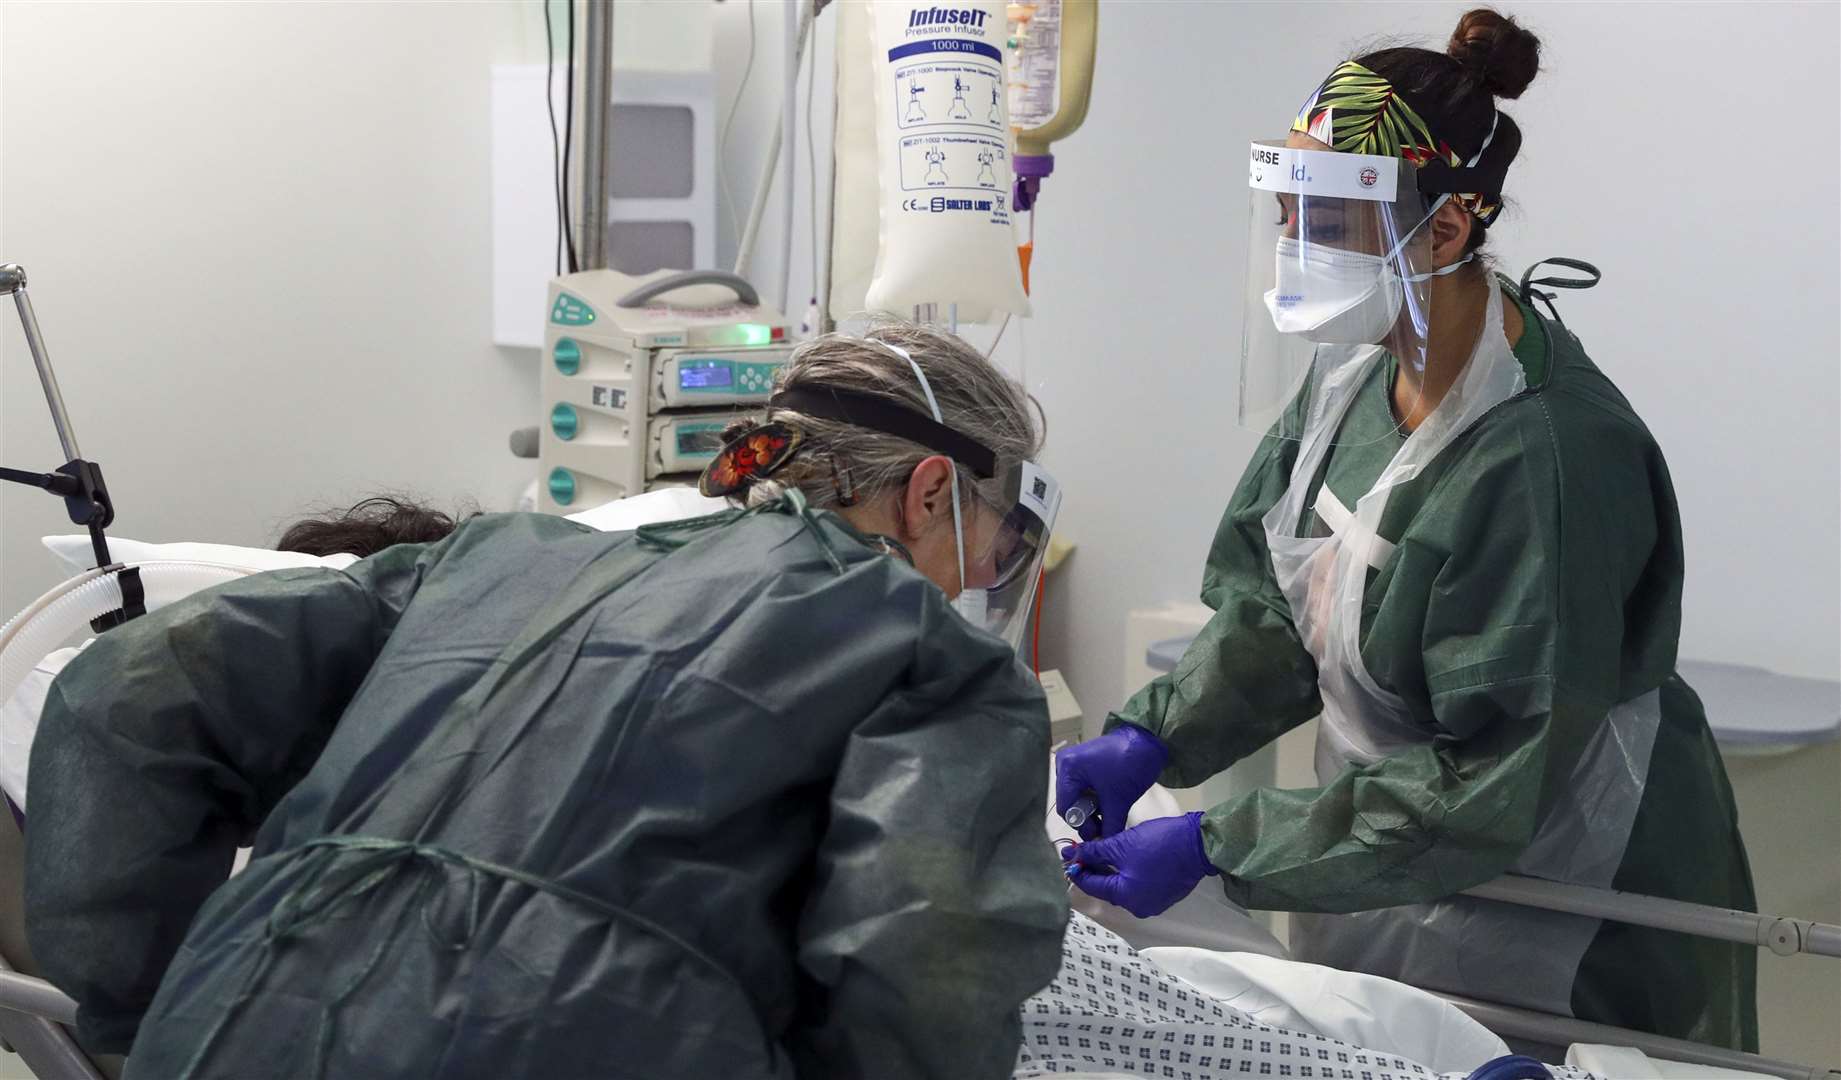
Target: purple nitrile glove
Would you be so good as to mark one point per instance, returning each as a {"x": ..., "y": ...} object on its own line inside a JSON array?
[
  {"x": 1118, "y": 768},
  {"x": 1147, "y": 867}
]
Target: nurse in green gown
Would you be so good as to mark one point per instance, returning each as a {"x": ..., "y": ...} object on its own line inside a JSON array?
[
  {"x": 1458, "y": 548},
  {"x": 742, "y": 796}
]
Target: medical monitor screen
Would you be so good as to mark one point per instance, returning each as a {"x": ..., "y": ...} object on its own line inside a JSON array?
[
  {"x": 699, "y": 442},
  {"x": 705, "y": 375}
]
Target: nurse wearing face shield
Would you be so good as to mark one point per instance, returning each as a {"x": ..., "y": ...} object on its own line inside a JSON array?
[
  {"x": 737, "y": 796},
  {"x": 1458, "y": 547},
  {"x": 990, "y": 558}
]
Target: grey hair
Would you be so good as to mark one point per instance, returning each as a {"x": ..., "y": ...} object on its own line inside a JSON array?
[{"x": 975, "y": 399}]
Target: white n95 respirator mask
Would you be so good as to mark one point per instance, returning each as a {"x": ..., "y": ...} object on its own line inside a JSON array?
[{"x": 1333, "y": 297}]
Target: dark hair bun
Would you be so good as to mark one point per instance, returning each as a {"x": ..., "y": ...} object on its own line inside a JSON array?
[{"x": 1496, "y": 53}]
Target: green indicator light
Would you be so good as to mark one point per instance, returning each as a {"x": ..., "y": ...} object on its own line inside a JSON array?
[{"x": 755, "y": 334}]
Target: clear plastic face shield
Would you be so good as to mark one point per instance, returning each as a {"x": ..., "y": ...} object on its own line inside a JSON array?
[
  {"x": 1001, "y": 525},
  {"x": 1339, "y": 260},
  {"x": 1001, "y": 548},
  {"x": 1003, "y": 552}
]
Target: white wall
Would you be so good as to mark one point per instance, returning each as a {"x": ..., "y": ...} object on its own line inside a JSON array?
[{"x": 257, "y": 238}]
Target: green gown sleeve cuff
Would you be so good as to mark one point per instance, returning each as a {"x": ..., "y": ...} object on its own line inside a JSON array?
[{"x": 1412, "y": 827}]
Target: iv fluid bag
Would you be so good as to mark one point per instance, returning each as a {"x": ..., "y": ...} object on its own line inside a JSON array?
[{"x": 943, "y": 157}]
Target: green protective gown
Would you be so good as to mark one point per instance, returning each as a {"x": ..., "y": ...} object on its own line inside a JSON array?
[
  {"x": 747, "y": 800},
  {"x": 1535, "y": 584}
]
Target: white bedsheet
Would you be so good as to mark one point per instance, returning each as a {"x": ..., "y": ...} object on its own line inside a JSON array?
[
  {"x": 1362, "y": 1009},
  {"x": 1629, "y": 1063},
  {"x": 19, "y": 721},
  {"x": 1112, "y": 1013}
]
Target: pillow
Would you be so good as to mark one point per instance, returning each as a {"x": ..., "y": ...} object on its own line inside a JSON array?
[
  {"x": 77, "y": 555},
  {"x": 621, "y": 515}
]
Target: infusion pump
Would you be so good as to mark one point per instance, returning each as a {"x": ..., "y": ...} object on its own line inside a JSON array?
[{"x": 642, "y": 374}]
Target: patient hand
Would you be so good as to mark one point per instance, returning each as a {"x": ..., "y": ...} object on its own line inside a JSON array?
[{"x": 1146, "y": 868}]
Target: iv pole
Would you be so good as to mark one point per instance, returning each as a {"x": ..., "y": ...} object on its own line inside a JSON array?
[{"x": 78, "y": 482}]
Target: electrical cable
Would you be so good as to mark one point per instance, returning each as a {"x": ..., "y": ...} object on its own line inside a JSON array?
[
  {"x": 569, "y": 144},
  {"x": 811, "y": 160},
  {"x": 992, "y": 351},
  {"x": 728, "y": 125},
  {"x": 549, "y": 105}
]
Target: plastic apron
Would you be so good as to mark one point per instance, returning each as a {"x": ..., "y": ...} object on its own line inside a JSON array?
[{"x": 1480, "y": 948}]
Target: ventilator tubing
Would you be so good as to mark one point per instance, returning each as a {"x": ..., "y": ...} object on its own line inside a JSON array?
[{"x": 65, "y": 611}]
